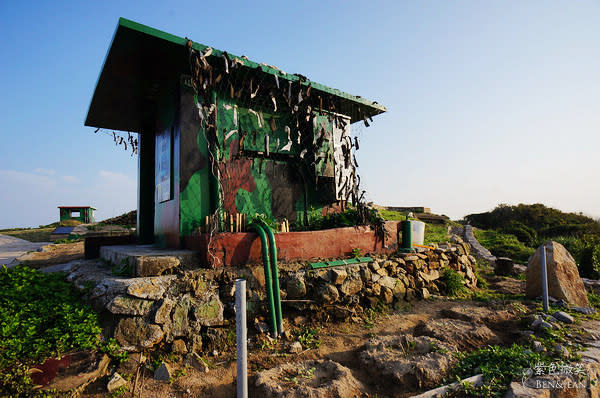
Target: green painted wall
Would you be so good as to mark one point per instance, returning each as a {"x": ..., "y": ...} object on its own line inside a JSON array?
[
  {"x": 195, "y": 198},
  {"x": 279, "y": 185}
]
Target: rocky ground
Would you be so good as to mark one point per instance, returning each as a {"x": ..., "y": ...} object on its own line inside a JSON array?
[{"x": 382, "y": 352}]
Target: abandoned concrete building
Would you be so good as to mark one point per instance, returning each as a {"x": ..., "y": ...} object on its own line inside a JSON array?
[{"x": 222, "y": 138}]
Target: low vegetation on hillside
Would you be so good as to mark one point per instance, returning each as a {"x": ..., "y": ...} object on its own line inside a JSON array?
[
  {"x": 41, "y": 316},
  {"x": 516, "y": 231}
]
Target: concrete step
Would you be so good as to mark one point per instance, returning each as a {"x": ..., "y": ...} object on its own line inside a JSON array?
[{"x": 148, "y": 260}]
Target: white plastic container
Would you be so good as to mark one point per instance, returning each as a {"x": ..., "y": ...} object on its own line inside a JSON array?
[{"x": 418, "y": 232}]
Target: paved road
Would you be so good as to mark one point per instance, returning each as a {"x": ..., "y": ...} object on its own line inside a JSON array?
[{"x": 11, "y": 248}]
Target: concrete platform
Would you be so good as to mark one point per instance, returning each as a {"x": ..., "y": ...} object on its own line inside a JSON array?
[{"x": 148, "y": 260}]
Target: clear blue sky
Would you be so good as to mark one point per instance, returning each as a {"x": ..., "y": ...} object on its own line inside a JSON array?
[{"x": 488, "y": 101}]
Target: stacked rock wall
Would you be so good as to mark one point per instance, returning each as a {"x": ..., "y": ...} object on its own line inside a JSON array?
[
  {"x": 478, "y": 250},
  {"x": 193, "y": 310},
  {"x": 390, "y": 279}
]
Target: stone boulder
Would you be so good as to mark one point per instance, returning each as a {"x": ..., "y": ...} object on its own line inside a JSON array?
[
  {"x": 135, "y": 334},
  {"x": 458, "y": 333},
  {"x": 316, "y": 378},
  {"x": 563, "y": 277},
  {"x": 411, "y": 362},
  {"x": 129, "y": 306}
]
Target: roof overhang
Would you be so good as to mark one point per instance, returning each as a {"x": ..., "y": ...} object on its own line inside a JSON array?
[{"x": 143, "y": 61}]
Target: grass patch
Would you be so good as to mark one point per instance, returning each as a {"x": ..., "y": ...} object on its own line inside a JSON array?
[
  {"x": 70, "y": 223},
  {"x": 436, "y": 233},
  {"x": 391, "y": 215},
  {"x": 30, "y": 234},
  {"x": 41, "y": 316},
  {"x": 73, "y": 238},
  {"x": 594, "y": 299},
  {"x": 504, "y": 245}
]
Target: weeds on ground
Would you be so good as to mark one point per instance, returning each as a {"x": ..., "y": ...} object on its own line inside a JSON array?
[
  {"x": 594, "y": 299},
  {"x": 118, "y": 392},
  {"x": 499, "y": 366},
  {"x": 521, "y": 277},
  {"x": 308, "y": 337},
  {"x": 372, "y": 314},
  {"x": 267, "y": 345},
  {"x": 481, "y": 282},
  {"x": 301, "y": 372}
]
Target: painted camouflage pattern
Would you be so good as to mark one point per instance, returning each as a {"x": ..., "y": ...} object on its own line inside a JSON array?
[{"x": 251, "y": 182}]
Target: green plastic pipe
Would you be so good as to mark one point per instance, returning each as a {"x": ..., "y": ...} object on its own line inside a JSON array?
[
  {"x": 268, "y": 280},
  {"x": 275, "y": 274}
]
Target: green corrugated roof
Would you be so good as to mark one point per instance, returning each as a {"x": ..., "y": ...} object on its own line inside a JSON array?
[{"x": 142, "y": 61}]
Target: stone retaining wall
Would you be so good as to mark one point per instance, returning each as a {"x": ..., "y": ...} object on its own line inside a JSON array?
[
  {"x": 193, "y": 310},
  {"x": 478, "y": 250}
]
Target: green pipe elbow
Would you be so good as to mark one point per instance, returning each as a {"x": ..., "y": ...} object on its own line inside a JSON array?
[
  {"x": 275, "y": 275},
  {"x": 268, "y": 280}
]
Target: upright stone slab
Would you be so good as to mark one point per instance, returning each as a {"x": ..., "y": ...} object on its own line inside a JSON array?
[
  {"x": 563, "y": 277},
  {"x": 504, "y": 266}
]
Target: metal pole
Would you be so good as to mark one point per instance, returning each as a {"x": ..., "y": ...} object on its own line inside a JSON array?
[
  {"x": 241, "y": 338},
  {"x": 544, "y": 280}
]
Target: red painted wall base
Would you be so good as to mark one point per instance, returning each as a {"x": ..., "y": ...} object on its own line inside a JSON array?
[{"x": 234, "y": 249}]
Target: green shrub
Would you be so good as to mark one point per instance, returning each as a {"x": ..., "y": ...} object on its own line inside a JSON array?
[
  {"x": 522, "y": 232},
  {"x": 262, "y": 218},
  {"x": 41, "y": 316},
  {"x": 546, "y": 221},
  {"x": 454, "y": 282},
  {"x": 586, "y": 252},
  {"x": 347, "y": 218},
  {"x": 589, "y": 262},
  {"x": 504, "y": 245},
  {"x": 499, "y": 366}
]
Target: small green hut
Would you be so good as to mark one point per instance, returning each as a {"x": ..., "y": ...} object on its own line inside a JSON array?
[{"x": 85, "y": 214}]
